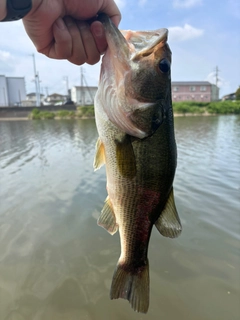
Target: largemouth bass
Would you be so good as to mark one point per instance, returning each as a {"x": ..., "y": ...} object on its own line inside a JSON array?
[{"x": 134, "y": 118}]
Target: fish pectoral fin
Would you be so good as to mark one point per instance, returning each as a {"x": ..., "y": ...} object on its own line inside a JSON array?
[
  {"x": 107, "y": 218},
  {"x": 169, "y": 224},
  {"x": 132, "y": 286},
  {"x": 126, "y": 161},
  {"x": 99, "y": 159}
]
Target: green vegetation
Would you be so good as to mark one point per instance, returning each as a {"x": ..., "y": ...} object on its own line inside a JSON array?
[
  {"x": 224, "y": 107},
  {"x": 218, "y": 107},
  {"x": 189, "y": 107},
  {"x": 85, "y": 112},
  {"x": 185, "y": 107},
  {"x": 37, "y": 114},
  {"x": 81, "y": 112},
  {"x": 65, "y": 114},
  {"x": 238, "y": 94}
]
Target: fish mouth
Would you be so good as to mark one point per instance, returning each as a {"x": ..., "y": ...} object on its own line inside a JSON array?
[
  {"x": 129, "y": 45},
  {"x": 117, "y": 44}
]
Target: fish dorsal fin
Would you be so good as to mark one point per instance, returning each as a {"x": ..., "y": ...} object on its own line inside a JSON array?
[
  {"x": 99, "y": 159},
  {"x": 168, "y": 224},
  {"x": 107, "y": 218}
]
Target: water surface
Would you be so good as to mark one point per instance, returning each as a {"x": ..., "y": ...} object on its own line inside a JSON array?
[{"x": 56, "y": 263}]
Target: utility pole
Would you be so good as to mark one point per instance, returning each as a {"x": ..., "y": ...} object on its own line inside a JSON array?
[
  {"x": 216, "y": 82},
  {"x": 216, "y": 76},
  {"x": 82, "y": 88},
  {"x": 65, "y": 78},
  {"x": 36, "y": 79},
  {"x": 46, "y": 89}
]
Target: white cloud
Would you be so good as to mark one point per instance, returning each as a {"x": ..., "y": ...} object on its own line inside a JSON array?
[
  {"x": 184, "y": 33},
  {"x": 120, "y": 3},
  {"x": 186, "y": 3},
  {"x": 211, "y": 77},
  {"x": 6, "y": 62},
  {"x": 4, "y": 55}
]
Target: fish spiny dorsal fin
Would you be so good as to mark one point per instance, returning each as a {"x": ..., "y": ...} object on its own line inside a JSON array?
[
  {"x": 132, "y": 286},
  {"x": 168, "y": 224},
  {"x": 99, "y": 159},
  {"x": 107, "y": 218}
]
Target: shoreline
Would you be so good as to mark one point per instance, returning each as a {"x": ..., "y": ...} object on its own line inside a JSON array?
[{"x": 92, "y": 117}]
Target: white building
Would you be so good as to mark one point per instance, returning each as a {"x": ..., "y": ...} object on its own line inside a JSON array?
[
  {"x": 56, "y": 97},
  {"x": 3, "y": 91},
  {"x": 31, "y": 99},
  {"x": 12, "y": 91},
  {"x": 83, "y": 95}
]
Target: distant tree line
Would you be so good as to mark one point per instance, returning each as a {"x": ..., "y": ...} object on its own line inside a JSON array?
[{"x": 238, "y": 94}]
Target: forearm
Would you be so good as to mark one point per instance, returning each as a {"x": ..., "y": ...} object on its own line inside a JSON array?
[{"x": 3, "y": 10}]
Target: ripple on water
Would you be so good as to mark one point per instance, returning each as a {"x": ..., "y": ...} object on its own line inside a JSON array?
[{"x": 56, "y": 263}]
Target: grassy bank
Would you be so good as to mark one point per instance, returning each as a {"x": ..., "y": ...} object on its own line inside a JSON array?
[
  {"x": 182, "y": 108},
  {"x": 218, "y": 107},
  {"x": 82, "y": 112}
]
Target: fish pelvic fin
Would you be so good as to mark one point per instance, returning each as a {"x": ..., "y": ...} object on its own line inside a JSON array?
[
  {"x": 99, "y": 159},
  {"x": 132, "y": 285},
  {"x": 107, "y": 218},
  {"x": 169, "y": 224}
]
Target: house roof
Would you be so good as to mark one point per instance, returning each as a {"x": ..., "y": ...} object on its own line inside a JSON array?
[
  {"x": 191, "y": 83},
  {"x": 56, "y": 94},
  {"x": 229, "y": 94},
  {"x": 88, "y": 87},
  {"x": 33, "y": 94}
]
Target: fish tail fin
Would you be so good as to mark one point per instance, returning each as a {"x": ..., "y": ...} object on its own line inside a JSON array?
[{"x": 132, "y": 285}]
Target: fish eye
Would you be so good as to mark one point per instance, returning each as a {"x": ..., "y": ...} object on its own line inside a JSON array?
[{"x": 164, "y": 65}]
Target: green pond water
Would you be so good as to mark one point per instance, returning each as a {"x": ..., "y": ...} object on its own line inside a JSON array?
[{"x": 56, "y": 263}]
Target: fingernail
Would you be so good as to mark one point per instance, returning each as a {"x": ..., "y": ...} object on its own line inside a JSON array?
[{"x": 60, "y": 23}]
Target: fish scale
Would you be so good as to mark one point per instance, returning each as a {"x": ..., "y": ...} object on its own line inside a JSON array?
[{"x": 134, "y": 118}]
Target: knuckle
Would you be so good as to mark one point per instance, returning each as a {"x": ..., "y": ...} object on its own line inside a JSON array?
[{"x": 93, "y": 60}]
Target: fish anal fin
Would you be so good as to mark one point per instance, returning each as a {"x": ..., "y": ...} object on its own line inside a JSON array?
[
  {"x": 107, "y": 218},
  {"x": 125, "y": 157},
  {"x": 99, "y": 159},
  {"x": 132, "y": 285},
  {"x": 169, "y": 224}
]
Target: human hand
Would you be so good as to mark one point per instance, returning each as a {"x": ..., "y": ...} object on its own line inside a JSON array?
[{"x": 59, "y": 28}]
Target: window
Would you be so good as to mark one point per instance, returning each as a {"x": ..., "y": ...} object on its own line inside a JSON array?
[
  {"x": 175, "y": 88},
  {"x": 203, "y": 88},
  {"x": 192, "y": 88}
]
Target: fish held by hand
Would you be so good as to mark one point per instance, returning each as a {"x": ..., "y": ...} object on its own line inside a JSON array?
[{"x": 134, "y": 118}]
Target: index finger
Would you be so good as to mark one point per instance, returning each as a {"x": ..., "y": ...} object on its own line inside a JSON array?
[{"x": 110, "y": 8}]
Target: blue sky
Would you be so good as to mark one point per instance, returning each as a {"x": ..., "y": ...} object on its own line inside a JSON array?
[{"x": 203, "y": 34}]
